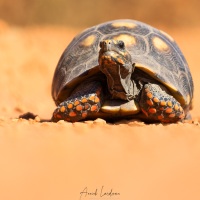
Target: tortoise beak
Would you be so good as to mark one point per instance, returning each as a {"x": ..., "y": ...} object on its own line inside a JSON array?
[{"x": 106, "y": 45}]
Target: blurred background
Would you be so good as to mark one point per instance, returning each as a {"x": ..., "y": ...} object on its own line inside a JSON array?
[
  {"x": 56, "y": 161},
  {"x": 77, "y": 13}
]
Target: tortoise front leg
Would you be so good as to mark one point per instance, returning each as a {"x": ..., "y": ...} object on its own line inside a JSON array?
[
  {"x": 85, "y": 100},
  {"x": 158, "y": 105}
]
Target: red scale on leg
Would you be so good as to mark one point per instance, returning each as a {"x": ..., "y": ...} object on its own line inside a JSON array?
[
  {"x": 158, "y": 105},
  {"x": 79, "y": 107}
]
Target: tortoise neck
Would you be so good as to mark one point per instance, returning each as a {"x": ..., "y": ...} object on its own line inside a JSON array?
[{"x": 119, "y": 84}]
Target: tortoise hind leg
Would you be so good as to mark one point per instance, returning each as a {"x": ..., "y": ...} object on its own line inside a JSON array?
[
  {"x": 158, "y": 105},
  {"x": 84, "y": 100}
]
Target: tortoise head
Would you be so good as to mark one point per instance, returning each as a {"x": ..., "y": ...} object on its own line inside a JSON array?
[{"x": 115, "y": 62}]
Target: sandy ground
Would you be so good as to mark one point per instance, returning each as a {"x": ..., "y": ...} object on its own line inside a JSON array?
[{"x": 124, "y": 161}]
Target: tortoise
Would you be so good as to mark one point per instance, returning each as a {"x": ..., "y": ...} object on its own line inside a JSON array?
[{"x": 122, "y": 69}]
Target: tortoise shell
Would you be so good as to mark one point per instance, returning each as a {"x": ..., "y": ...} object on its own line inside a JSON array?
[{"x": 153, "y": 51}]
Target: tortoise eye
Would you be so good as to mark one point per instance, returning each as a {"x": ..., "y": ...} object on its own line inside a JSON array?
[{"x": 121, "y": 44}]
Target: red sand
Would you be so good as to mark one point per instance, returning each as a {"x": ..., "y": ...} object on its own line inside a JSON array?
[{"x": 58, "y": 161}]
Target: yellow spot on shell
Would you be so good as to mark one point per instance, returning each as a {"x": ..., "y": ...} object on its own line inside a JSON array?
[
  {"x": 160, "y": 44},
  {"x": 127, "y": 39},
  {"x": 124, "y": 24},
  {"x": 88, "y": 40}
]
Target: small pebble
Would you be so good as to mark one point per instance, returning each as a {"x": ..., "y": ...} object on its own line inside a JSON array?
[
  {"x": 62, "y": 122},
  {"x": 89, "y": 122},
  {"x": 99, "y": 121},
  {"x": 195, "y": 122},
  {"x": 135, "y": 123},
  {"x": 37, "y": 119},
  {"x": 15, "y": 119}
]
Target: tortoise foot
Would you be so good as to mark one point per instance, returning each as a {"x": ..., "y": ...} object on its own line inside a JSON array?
[
  {"x": 85, "y": 101},
  {"x": 158, "y": 105}
]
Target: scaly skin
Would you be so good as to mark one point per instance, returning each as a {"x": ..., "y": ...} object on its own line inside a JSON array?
[
  {"x": 158, "y": 105},
  {"x": 85, "y": 100}
]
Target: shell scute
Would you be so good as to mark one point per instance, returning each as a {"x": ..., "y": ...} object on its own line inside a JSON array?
[{"x": 152, "y": 51}]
